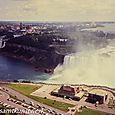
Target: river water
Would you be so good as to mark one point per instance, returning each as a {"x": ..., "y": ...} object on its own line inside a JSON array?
[
  {"x": 95, "y": 67},
  {"x": 92, "y": 67},
  {"x": 13, "y": 69},
  {"x": 109, "y": 27}
]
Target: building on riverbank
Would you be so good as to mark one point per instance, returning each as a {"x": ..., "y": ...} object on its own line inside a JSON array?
[
  {"x": 69, "y": 92},
  {"x": 97, "y": 95}
]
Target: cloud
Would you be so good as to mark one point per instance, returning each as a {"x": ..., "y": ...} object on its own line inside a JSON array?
[
  {"x": 58, "y": 10},
  {"x": 20, "y": 0}
]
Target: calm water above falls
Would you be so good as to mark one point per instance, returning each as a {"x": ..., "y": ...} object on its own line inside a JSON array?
[{"x": 107, "y": 28}]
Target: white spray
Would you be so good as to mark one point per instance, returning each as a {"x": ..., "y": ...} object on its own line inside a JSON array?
[{"x": 93, "y": 67}]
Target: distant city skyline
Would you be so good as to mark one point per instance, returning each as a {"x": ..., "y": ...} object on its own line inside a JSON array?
[{"x": 57, "y": 10}]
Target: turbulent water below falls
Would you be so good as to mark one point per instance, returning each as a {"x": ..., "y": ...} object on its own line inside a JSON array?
[{"x": 96, "y": 67}]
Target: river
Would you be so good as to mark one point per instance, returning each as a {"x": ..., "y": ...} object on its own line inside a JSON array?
[
  {"x": 14, "y": 69},
  {"x": 109, "y": 27}
]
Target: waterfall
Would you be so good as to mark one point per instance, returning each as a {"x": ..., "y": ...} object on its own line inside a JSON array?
[
  {"x": 94, "y": 67},
  {"x": 2, "y": 44}
]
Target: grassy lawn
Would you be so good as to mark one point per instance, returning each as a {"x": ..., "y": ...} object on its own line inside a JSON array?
[
  {"x": 24, "y": 88},
  {"x": 91, "y": 112},
  {"x": 28, "y": 89}
]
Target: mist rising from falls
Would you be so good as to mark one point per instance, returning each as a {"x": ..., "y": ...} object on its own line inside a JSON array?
[
  {"x": 92, "y": 64},
  {"x": 95, "y": 67}
]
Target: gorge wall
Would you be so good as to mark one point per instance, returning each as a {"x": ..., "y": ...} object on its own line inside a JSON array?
[{"x": 37, "y": 52}]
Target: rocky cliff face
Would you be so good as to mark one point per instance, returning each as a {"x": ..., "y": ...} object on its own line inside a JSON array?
[{"x": 42, "y": 56}]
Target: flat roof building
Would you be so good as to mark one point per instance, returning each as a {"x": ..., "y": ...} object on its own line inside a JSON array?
[{"x": 97, "y": 95}]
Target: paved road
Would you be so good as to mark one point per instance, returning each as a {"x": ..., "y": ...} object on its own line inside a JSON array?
[
  {"x": 82, "y": 102},
  {"x": 29, "y": 100},
  {"x": 103, "y": 107},
  {"x": 3, "y": 98},
  {"x": 46, "y": 89}
]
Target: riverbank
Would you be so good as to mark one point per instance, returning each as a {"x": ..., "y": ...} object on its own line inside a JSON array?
[
  {"x": 112, "y": 90},
  {"x": 28, "y": 61}
]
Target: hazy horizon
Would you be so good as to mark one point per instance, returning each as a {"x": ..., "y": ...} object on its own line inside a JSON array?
[{"x": 27, "y": 21}]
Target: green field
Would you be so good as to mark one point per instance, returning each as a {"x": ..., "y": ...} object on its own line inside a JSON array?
[
  {"x": 91, "y": 112},
  {"x": 28, "y": 89},
  {"x": 24, "y": 88}
]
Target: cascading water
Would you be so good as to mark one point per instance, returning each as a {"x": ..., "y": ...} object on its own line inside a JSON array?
[{"x": 96, "y": 67}]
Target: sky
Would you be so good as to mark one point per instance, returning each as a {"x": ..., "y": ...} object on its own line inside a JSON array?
[{"x": 57, "y": 10}]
